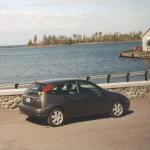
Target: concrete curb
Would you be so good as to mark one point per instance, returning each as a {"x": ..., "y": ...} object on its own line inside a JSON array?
[
  {"x": 124, "y": 84},
  {"x": 12, "y": 92}
]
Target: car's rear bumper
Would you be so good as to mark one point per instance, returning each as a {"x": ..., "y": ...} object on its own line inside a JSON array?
[{"x": 31, "y": 111}]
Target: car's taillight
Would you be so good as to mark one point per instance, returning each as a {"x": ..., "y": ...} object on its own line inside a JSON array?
[{"x": 48, "y": 88}]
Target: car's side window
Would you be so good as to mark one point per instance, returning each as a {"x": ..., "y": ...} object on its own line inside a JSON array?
[
  {"x": 54, "y": 90},
  {"x": 66, "y": 88},
  {"x": 88, "y": 88},
  {"x": 69, "y": 88}
]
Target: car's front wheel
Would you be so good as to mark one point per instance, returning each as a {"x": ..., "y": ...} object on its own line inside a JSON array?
[
  {"x": 56, "y": 117},
  {"x": 117, "y": 109}
]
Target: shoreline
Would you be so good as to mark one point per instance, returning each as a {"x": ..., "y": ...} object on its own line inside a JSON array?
[
  {"x": 92, "y": 43},
  {"x": 45, "y": 46}
]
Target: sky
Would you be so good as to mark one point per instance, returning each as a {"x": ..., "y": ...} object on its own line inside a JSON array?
[{"x": 20, "y": 20}]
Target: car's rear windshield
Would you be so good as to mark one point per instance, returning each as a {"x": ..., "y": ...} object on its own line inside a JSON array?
[{"x": 35, "y": 88}]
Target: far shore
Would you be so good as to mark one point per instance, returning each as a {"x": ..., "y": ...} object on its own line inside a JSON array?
[
  {"x": 92, "y": 43},
  {"x": 45, "y": 46}
]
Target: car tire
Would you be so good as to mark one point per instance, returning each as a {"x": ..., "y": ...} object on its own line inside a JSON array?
[
  {"x": 117, "y": 109},
  {"x": 56, "y": 117}
]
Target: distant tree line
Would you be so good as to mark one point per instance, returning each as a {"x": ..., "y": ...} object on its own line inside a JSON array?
[{"x": 78, "y": 38}]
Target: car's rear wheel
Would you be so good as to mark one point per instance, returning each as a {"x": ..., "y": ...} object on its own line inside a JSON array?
[
  {"x": 56, "y": 117},
  {"x": 117, "y": 109}
]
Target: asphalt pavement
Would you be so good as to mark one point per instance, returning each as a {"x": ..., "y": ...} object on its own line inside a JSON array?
[{"x": 131, "y": 132}]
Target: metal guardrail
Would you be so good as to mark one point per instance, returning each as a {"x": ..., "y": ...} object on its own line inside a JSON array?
[
  {"x": 107, "y": 78},
  {"x": 15, "y": 86},
  {"x": 124, "y": 75}
]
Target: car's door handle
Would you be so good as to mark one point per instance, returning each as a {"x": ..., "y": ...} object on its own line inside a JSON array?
[
  {"x": 99, "y": 94},
  {"x": 66, "y": 97},
  {"x": 88, "y": 97}
]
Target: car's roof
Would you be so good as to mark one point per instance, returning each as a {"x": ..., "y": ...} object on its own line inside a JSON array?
[
  {"x": 63, "y": 80},
  {"x": 54, "y": 81}
]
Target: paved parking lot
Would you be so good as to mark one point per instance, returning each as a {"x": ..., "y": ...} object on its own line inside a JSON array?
[{"x": 131, "y": 132}]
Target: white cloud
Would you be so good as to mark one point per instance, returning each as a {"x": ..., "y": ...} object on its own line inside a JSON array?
[
  {"x": 43, "y": 3},
  {"x": 24, "y": 18}
]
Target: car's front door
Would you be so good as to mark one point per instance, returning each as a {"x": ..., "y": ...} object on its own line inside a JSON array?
[{"x": 93, "y": 97}]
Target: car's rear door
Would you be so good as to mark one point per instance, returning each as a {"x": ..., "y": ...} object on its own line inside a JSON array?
[{"x": 72, "y": 100}]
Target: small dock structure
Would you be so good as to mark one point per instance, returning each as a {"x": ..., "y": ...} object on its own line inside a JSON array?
[{"x": 146, "y": 40}]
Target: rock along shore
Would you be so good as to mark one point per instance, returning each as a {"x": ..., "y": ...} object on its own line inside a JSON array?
[{"x": 135, "y": 54}]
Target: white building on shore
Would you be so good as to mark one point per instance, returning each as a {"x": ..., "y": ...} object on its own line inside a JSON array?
[{"x": 146, "y": 40}]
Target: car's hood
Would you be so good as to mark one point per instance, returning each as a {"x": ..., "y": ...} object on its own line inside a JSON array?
[{"x": 115, "y": 95}]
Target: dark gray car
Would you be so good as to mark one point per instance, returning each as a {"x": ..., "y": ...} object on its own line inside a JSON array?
[{"x": 60, "y": 99}]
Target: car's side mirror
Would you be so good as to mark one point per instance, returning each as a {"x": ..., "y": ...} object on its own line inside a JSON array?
[{"x": 101, "y": 93}]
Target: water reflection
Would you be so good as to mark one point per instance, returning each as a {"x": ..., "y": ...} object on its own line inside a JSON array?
[{"x": 30, "y": 64}]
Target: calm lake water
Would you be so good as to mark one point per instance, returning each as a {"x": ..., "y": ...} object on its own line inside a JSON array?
[{"x": 30, "y": 64}]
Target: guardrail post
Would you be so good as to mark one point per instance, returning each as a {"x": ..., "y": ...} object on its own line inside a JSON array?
[
  {"x": 128, "y": 76},
  {"x": 108, "y": 78},
  {"x": 87, "y": 78},
  {"x": 16, "y": 85},
  {"x": 146, "y": 75}
]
